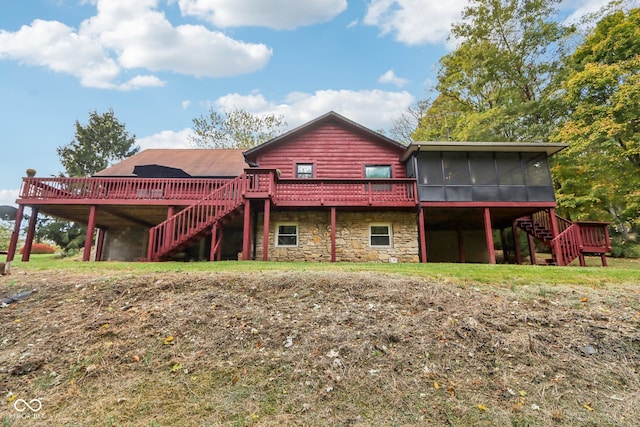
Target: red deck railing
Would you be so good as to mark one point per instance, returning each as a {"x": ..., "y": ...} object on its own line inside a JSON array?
[
  {"x": 189, "y": 222},
  {"x": 345, "y": 192},
  {"x": 119, "y": 188}
]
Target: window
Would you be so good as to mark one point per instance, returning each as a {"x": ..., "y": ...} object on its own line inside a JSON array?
[
  {"x": 377, "y": 171},
  {"x": 304, "y": 170},
  {"x": 380, "y": 235},
  {"x": 287, "y": 235}
]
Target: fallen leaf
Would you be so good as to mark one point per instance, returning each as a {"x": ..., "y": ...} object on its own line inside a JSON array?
[
  {"x": 168, "y": 340},
  {"x": 136, "y": 358},
  {"x": 436, "y": 385},
  {"x": 482, "y": 407},
  {"x": 588, "y": 407},
  {"x": 584, "y": 299}
]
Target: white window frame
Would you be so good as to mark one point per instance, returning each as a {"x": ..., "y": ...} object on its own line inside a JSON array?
[
  {"x": 313, "y": 172},
  {"x": 389, "y": 234},
  {"x": 277, "y": 234}
]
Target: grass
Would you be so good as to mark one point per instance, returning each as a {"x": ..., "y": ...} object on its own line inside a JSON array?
[
  {"x": 372, "y": 344},
  {"x": 619, "y": 272}
]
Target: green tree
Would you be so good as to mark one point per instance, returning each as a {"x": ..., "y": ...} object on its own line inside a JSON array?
[
  {"x": 492, "y": 86},
  {"x": 599, "y": 174},
  {"x": 235, "y": 129},
  {"x": 103, "y": 141}
]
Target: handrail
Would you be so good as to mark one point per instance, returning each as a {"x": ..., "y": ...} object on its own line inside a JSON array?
[
  {"x": 192, "y": 220},
  {"x": 332, "y": 190},
  {"x": 106, "y": 188},
  {"x": 567, "y": 245}
]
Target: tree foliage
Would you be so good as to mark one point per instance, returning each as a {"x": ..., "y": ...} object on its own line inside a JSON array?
[
  {"x": 69, "y": 236},
  {"x": 492, "y": 86},
  {"x": 103, "y": 141},
  {"x": 600, "y": 172},
  {"x": 234, "y": 129}
]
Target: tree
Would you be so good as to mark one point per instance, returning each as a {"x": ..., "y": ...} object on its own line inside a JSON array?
[
  {"x": 103, "y": 141},
  {"x": 97, "y": 145},
  {"x": 599, "y": 173},
  {"x": 403, "y": 127},
  {"x": 235, "y": 129},
  {"x": 492, "y": 86}
]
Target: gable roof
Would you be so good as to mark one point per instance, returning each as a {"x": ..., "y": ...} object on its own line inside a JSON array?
[
  {"x": 196, "y": 162},
  {"x": 329, "y": 117}
]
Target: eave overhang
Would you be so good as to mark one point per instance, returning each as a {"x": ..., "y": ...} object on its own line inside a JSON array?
[{"x": 507, "y": 147}]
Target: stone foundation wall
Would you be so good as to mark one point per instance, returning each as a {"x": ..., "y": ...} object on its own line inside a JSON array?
[
  {"x": 125, "y": 244},
  {"x": 352, "y": 237}
]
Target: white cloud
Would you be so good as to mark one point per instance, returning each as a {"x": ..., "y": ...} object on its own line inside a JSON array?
[
  {"x": 276, "y": 14},
  {"x": 127, "y": 36},
  {"x": 375, "y": 109},
  {"x": 166, "y": 139},
  {"x": 8, "y": 197},
  {"x": 415, "y": 22},
  {"x": 576, "y": 10},
  {"x": 186, "y": 104},
  {"x": 390, "y": 77}
]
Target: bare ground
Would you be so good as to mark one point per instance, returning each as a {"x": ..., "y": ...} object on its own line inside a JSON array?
[{"x": 314, "y": 348}]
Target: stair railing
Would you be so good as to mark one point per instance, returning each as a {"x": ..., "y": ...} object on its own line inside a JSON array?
[{"x": 190, "y": 221}]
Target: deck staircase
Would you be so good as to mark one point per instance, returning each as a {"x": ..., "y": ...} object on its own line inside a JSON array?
[
  {"x": 196, "y": 221},
  {"x": 574, "y": 240}
]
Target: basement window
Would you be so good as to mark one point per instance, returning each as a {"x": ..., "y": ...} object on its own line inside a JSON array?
[
  {"x": 380, "y": 235},
  {"x": 287, "y": 235}
]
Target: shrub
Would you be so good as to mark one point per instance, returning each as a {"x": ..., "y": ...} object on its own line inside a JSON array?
[{"x": 40, "y": 248}]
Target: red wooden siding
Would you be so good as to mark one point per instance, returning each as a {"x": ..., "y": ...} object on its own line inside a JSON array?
[{"x": 335, "y": 153}]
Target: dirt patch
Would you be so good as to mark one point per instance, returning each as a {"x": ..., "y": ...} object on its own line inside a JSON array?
[{"x": 314, "y": 348}]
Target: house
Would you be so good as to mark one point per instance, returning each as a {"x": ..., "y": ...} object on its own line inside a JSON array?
[{"x": 330, "y": 190}]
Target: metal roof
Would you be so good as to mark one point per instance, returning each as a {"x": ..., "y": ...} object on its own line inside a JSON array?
[
  {"x": 197, "y": 162},
  {"x": 513, "y": 147}
]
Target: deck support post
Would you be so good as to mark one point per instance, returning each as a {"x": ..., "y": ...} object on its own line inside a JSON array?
[
  {"x": 91, "y": 228},
  {"x": 556, "y": 231},
  {"x": 214, "y": 241},
  {"x": 532, "y": 250},
  {"x": 265, "y": 230},
  {"x": 31, "y": 231},
  {"x": 333, "y": 234},
  {"x": 422, "y": 235},
  {"x": 461, "y": 254},
  {"x": 100, "y": 243},
  {"x": 246, "y": 232},
  {"x": 516, "y": 243},
  {"x": 13, "y": 244},
  {"x": 489, "y": 236}
]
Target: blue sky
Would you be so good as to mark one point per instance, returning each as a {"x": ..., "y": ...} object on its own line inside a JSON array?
[{"x": 160, "y": 63}]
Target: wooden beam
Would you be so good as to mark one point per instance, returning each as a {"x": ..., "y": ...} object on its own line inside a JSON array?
[
  {"x": 214, "y": 241},
  {"x": 13, "y": 244},
  {"x": 333, "y": 234},
  {"x": 31, "y": 231},
  {"x": 422, "y": 236},
  {"x": 100, "y": 243},
  {"x": 489, "y": 236},
  {"x": 246, "y": 232},
  {"x": 265, "y": 231},
  {"x": 91, "y": 228},
  {"x": 532, "y": 249}
]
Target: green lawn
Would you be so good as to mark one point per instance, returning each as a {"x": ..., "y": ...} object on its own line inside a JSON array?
[{"x": 619, "y": 271}]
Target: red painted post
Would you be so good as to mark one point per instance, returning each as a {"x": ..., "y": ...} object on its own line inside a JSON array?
[
  {"x": 100, "y": 244},
  {"x": 489, "y": 235},
  {"x": 214, "y": 242},
  {"x": 246, "y": 232},
  {"x": 91, "y": 228},
  {"x": 333, "y": 234},
  {"x": 422, "y": 235},
  {"x": 31, "y": 231},
  {"x": 532, "y": 250},
  {"x": 265, "y": 231},
  {"x": 556, "y": 231},
  {"x": 13, "y": 244}
]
